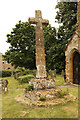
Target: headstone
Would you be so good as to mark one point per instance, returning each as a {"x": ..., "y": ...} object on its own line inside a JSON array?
[
  {"x": 52, "y": 74},
  {"x": 62, "y": 73},
  {"x": 55, "y": 73},
  {"x": 40, "y": 54},
  {"x": 16, "y": 75},
  {"x": 12, "y": 73},
  {"x": 4, "y": 84}
]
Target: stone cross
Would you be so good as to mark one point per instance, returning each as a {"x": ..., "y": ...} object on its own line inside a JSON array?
[{"x": 40, "y": 53}]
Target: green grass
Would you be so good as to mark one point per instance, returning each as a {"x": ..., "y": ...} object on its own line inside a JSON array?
[
  {"x": 59, "y": 80},
  {"x": 13, "y": 83},
  {"x": 12, "y": 109}
]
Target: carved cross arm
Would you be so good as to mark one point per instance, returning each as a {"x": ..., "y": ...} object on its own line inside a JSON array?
[
  {"x": 45, "y": 22},
  {"x": 32, "y": 20}
]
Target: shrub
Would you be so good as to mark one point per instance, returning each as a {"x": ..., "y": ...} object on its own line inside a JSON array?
[
  {"x": 25, "y": 78},
  {"x": 42, "y": 98},
  {"x": 61, "y": 94},
  {"x": 17, "y": 70},
  {"x": 29, "y": 88},
  {"x": 25, "y": 72},
  {"x": 6, "y": 73}
]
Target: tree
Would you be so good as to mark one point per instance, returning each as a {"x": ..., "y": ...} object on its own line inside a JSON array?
[
  {"x": 50, "y": 42},
  {"x": 66, "y": 16},
  {"x": 22, "y": 46},
  {"x": 22, "y": 40}
]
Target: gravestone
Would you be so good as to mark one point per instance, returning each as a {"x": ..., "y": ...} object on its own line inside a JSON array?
[
  {"x": 55, "y": 73},
  {"x": 16, "y": 75},
  {"x": 51, "y": 73},
  {"x": 62, "y": 73},
  {"x": 4, "y": 84},
  {"x": 12, "y": 73},
  {"x": 40, "y": 54}
]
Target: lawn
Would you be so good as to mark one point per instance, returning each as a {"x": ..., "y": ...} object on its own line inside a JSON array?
[
  {"x": 59, "y": 80},
  {"x": 14, "y": 84},
  {"x": 13, "y": 109}
]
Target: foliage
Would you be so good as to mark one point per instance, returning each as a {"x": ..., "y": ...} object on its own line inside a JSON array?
[
  {"x": 66, "y": 16},
  {"x": 61, "y": 94},
  {"x": 22, "y": 40},
  {"x": 22, "y": 46},
  {"x": 25, "y": 78},
  {"x": 29, "y": 88},
  {"x": 42, "y": 98},
  {"x": 25, "y": 72},
  {"x": 6, "y": 73},
  {"x": 17, "y": 70},
  {"x": 50, "y": 43}
]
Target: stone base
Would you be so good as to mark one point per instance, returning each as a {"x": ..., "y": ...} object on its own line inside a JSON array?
[
  {"x": 47, "y": 94},
  {"x": 42, "y": 88},
  {"x": 56, "y": 101},
  {"x": 42, "y": 83}
]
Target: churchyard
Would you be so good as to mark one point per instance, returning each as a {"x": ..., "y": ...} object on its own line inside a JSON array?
[
  {"x": 44, "y": 92},
  {"x": 14, "y": 109}
]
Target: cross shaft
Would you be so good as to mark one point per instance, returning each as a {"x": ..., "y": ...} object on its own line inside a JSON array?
[{"x": 40, "y": 54}]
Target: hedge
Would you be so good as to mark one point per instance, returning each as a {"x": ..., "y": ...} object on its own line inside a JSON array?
[
  {"x": 25, "y": 72},
  {"x": 17, "y": 70},
  {"x": 6, "y": 73},
  {"x": 25, "y": 78}
]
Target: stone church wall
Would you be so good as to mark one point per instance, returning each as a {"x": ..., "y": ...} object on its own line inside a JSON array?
[{"x": 72, "y": 46}]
